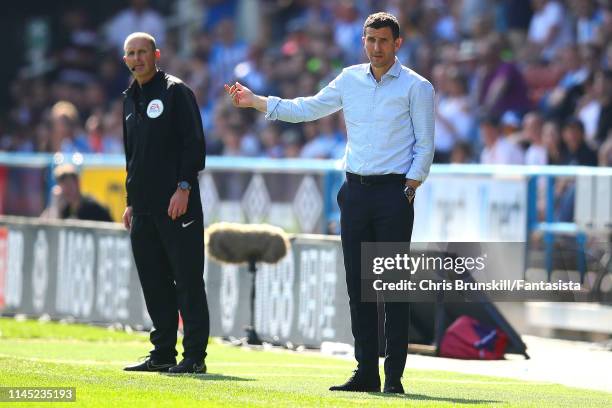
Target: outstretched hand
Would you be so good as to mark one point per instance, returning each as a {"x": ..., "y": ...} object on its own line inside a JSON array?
[{"x": 242, "y": 97}]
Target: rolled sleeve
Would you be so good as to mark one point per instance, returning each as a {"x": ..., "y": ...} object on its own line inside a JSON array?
[
  {"x": 327, "y": 101},
  {"x": 271, "y": 113},
  {"x": 422, "y": 114}
]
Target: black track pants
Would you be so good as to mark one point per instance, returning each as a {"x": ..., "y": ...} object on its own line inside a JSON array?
[{"x": 169, "y": 257}]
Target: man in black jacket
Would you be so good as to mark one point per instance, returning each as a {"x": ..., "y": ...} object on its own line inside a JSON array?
[
  {"x": 67, "y": 201},
  {"x": 164, "y": 149}
]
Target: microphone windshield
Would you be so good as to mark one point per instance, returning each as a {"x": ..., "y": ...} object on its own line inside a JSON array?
[{"x": 244, "y": 243}]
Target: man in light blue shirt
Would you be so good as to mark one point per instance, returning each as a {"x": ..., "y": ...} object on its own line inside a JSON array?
[{"x": 389, "y": 114}]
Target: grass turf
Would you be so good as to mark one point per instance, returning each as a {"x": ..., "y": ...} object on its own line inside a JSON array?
[{"x": 90, "y": 359}]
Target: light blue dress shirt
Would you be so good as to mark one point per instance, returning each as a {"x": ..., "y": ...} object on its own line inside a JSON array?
[{"x": 390, "y": 124}]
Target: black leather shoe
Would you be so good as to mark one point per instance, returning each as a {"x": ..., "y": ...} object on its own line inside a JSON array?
[
  {"x": 359, "y": 383},
  {"x": 150, "y": 365},
  {"x": 189, "y": 366},
  {"x": 393, "y": 387}
]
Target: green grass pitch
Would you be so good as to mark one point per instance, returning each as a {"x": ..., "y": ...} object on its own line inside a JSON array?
[{"x": 91, "y": 359}]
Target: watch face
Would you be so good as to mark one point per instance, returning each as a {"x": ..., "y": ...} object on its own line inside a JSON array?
[
  {"x": 409, "y": 192},
  {"x": 183, "y": 185}
]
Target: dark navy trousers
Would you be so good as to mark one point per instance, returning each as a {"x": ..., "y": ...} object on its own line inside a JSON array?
[{"x": 375, "y": 212}]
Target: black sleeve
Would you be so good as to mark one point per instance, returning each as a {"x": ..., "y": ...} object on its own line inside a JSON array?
[
  {"x": 90, "y": 209},
  {"x": 106, "y": 216},
  {"x": 190, "y": 134},
  {"x": 101, "y": 213},
  {"x": 127, "y": 154}
]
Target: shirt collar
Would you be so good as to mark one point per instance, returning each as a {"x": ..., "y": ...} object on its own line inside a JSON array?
[
  {"x": 132, "y": 88},
  {"x": 394, "y": 71}
]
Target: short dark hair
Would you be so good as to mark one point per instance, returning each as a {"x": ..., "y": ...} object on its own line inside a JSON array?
[
  {"x": 574, "y": 123},
  {"x": 380, "y": 20},
  {"x": 490, "y": 120}
]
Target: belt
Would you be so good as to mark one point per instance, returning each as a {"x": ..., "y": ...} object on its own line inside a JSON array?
[{"x": 376, "y": 179}]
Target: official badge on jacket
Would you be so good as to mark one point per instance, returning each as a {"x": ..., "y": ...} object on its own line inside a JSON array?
[{"x": 155, "y": 108}]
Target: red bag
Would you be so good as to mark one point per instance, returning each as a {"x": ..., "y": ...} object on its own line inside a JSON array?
[{"x": 469, "y": 339}]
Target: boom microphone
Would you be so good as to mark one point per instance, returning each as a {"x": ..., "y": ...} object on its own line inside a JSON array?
[
  {"x": 246, "y": 243},
  {"x": 133, "y": 69}
]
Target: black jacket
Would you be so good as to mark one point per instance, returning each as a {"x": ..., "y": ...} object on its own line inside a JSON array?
[
  {"x": 89, "y": 209},
  {"x": 164, "y": 143}
]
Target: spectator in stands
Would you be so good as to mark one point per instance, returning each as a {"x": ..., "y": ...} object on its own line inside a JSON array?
[
  {"x": 603, "y": 91},
  {"x": 75, "y": 55},
  {"x": 291, "y": 144},
  {"x": 532, "y": 133},
  {"x": 217, "y": 11},
  {"x": 588, "y": 110},
  {"x": 604, "y": 33},
  {"x": 17, "y": 140},
  {"x": 231, "y": 142},
  {"x": 562, "y": 100},
  {"x": 112, "y": 140},
  {"x": 309, "y": 42},
  {"x": 227, "y": 51},
  {"x": 94, "y": 129},
  {"x": 470, "y": 11},
  {"x": 551, "y": 140},
  {"x": 67, "y": 201},
  {"x": 272, "y": 141},
  {"x": 548, "y": 30},
  {"x": 454, "y": 119},
  {"x": 104, "y": 130},
  {"x": 113, "y": 77},
  {"x": 500, "y": 85},
  {"x": 605, "y": 152},
  {"x": 588, "y": 21},
  {"x": 511, "y": 126},
  {"x": 607, "y": 63},
  {"x": 576, "y": 151},
  {"x": 322, "y": 143},
  {"x": 348, "y": 31},
  {"x": 461, "y": 153},
  {"x": 497, "y": 148},
  {"x": 138, "y": 17},
  {"x": 65, "y": 133}
]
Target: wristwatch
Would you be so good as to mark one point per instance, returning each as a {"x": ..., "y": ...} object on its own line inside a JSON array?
[
  {"x": 184, "y": 185},
  {"x": 409, "y": 192}
]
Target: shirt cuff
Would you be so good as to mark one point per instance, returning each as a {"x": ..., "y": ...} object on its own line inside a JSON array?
[
  {"x": 272, "y": 103},
  {"x": 415, "y": 175}
]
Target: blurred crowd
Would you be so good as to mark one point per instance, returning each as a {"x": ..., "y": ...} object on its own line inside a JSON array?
[{"x": 517, "y": 81}]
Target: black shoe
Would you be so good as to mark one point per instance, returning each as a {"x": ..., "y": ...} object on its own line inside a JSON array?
[
  {"x": 189, "y": 366},
  {"x": 151, "y": 365},
  {"x": 393, "y": 387},
  {"x": 359, "y": 383}
]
